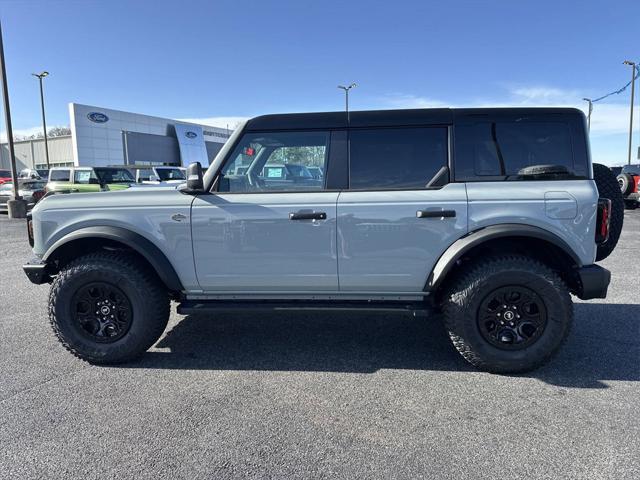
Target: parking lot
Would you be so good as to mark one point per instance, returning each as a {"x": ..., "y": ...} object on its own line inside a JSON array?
[{"x": 315, "y": 395}]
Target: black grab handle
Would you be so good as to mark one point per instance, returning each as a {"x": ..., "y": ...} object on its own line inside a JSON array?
[
  {"x": 435, "y": 213},
  {"x": 307, "y": 216}
]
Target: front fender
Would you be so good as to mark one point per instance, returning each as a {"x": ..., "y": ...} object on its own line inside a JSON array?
[{"x": 133, "y": 240}]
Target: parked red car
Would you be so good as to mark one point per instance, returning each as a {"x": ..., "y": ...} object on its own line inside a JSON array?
[
  {"x": 629, "y": 181},
  {"x": 5, "y": 176}
]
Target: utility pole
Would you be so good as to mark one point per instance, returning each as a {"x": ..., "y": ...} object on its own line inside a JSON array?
[
  {"x": 17, "y": 208},
  {"x": 589, "y": 115},
  {"x": 633, "y": 84},
  {"x": 40, "y": 76},
  {"x": 346, "y": 97}
]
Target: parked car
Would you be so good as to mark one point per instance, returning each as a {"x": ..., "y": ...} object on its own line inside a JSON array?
[
  {"x": 88, "y": 179},
  {"x": 30, "y": 190},
  {"x": 629, "y": 181},
  {"x": 158, "y": 174},
  {"x": 493, "y": 217},
  {"x": 5, "y": 176},
  {"x": 34, "y": 174},
  {"x": 316, "y": 172},
  {"x": 276, "y": 176}
]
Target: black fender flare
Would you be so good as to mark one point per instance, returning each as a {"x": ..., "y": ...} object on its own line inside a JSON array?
[
  {"x": 463, "y": 245},
  {"x": 135, "y": 241}
]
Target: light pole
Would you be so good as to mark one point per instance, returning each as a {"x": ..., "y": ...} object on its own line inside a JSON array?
[
  {"x": 346, "y": 97},
  {"x": 40, "y": 76},
  {"x": 633, "y": 84},
  {"x": 588, "y": 100},
  {"x": 17, "y": 207}
]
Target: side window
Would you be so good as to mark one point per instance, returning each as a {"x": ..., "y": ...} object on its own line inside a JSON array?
[
  {"x": 144, "y": 174},
  {"x": 84, "y": 177},
  {"x": 276, "y": 162},
  {"x": 396, "y": 158},
  {"x": 504, "y": 148},
  {"x": 60, "y": 176}
]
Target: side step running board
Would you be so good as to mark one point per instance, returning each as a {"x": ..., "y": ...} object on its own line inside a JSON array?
[{"x": 201, "y": 306}]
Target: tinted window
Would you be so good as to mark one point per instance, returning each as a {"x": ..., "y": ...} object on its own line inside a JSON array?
[
  {"x": 505, "y": 148},
  {"x": 60, "y": 175},
  {"x": 631, "y": 169},
  {"x": 114, "y": 175},
  {"x": 396, "y": 157},
  {"x": 275, "y": 161},
  {"x": 170, "y": 174}
]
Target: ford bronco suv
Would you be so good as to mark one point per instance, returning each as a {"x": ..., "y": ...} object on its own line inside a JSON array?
[{"x": 490, "y": 218}]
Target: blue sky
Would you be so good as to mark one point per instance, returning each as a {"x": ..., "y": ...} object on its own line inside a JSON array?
[{"x": 216, "y": 61}]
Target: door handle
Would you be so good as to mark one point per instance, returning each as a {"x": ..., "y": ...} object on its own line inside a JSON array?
[
  {"x": 307, "y": 215},
  {"x": 435, "y": 213}
]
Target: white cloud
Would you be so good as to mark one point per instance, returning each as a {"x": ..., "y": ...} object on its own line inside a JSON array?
[{"x": 401, "y": 100}]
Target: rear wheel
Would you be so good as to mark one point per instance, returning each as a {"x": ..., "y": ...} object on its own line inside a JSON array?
[
  {"x": 508, "y": 314},
  {"x": 608, "y": 187},
  {"x": 108, "y": 307}
]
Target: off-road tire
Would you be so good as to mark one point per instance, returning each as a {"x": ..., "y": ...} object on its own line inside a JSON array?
[
  {"x": 148, "y": 298},
  {"x": 608, "y": 187},
  {"x": 625, "y": 182},
  {"x": 461, "y": 307}
]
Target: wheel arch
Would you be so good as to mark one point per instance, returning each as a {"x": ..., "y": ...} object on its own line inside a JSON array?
[
  {"x": 507, "y": 238},
  {"x": 94, "y": 238}
]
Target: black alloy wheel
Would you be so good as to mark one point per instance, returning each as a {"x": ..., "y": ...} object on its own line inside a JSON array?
[
  {"x": 512, "y": 317},
  {"x": 102, "y": 312}
]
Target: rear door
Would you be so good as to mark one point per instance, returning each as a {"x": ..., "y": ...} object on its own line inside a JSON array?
[{"x": 400, "y": 212}]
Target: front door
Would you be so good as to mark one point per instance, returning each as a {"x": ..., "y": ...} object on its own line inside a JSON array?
[{"x": 270, "y": 226}]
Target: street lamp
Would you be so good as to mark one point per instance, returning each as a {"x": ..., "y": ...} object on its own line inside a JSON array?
[
  {"x": 40, "y": 76},
  {"x": 588, "y": 100},
  {"x": 346, "y": 96},
  {"x": 633, "y": 84}
]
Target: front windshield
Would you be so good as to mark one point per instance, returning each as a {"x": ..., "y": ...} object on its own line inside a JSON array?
[
  {"x": 170, "y": 174},
  {"x": 114, "y": 175},
  {"x": 5, "y": 173}
]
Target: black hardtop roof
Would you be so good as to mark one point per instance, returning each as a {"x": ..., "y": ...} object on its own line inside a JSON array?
[{"x": 381, "y": 118}]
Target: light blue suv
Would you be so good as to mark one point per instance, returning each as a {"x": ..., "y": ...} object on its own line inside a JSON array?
[{"x": 490, "y": 216}]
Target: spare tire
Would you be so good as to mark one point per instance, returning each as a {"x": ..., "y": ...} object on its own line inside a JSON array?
[
  {"x": 608, "y": 187},
  {"x": 626, "y": 183}
]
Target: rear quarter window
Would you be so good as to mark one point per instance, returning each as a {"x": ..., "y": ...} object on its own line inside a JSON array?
[
  {"x": 60, "y": 175},
  {"x": 500, "y": 150}
]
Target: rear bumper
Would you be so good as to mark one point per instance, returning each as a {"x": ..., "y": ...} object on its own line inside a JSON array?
[
  {"x": 594, "y": 281},
  {"x": 36, "y": 271}
]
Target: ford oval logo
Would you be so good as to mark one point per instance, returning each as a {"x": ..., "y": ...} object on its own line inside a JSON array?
[
  {"x": 190, "y": 134},
  {"x": 97, "y": 117}
]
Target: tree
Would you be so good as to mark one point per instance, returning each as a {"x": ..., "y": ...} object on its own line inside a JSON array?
[{"x": 52, "y": 132}]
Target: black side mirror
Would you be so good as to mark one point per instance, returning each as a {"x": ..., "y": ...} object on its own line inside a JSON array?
[{"x": 195, "y": 183}]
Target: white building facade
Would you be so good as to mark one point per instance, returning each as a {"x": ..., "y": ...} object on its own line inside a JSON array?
[{"x": 103, "y": 136}]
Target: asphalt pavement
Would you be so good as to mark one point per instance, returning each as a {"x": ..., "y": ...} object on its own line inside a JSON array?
[{"x": 316, "y": 395}]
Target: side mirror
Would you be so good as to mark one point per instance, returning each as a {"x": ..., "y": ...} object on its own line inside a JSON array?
[
  {"x": 195, "y": 183},
  {"x": 154, "y": 178}
]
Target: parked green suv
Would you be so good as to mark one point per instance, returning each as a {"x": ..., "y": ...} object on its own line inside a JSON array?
[{"x": 88, "y": 179}]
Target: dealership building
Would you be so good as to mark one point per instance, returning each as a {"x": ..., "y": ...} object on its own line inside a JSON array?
[{"x": 103, "y": 137}]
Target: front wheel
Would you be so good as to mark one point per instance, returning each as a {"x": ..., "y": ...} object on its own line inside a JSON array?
[
  {"x": 108, "y": 307},
  {"x": 508, "y": 314}
]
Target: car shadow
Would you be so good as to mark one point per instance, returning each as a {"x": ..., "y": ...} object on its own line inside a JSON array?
[{"x": 603, "y": 346}]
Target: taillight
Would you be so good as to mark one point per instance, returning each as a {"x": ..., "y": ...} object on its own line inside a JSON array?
[
  {"x": 602, "y": 220},
  {"x": 636, "y": 183}
]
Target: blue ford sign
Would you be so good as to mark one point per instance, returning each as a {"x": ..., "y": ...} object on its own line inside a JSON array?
[
  {"x": 190, "y": 134},
  {"x": 97, "y": 117}
]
